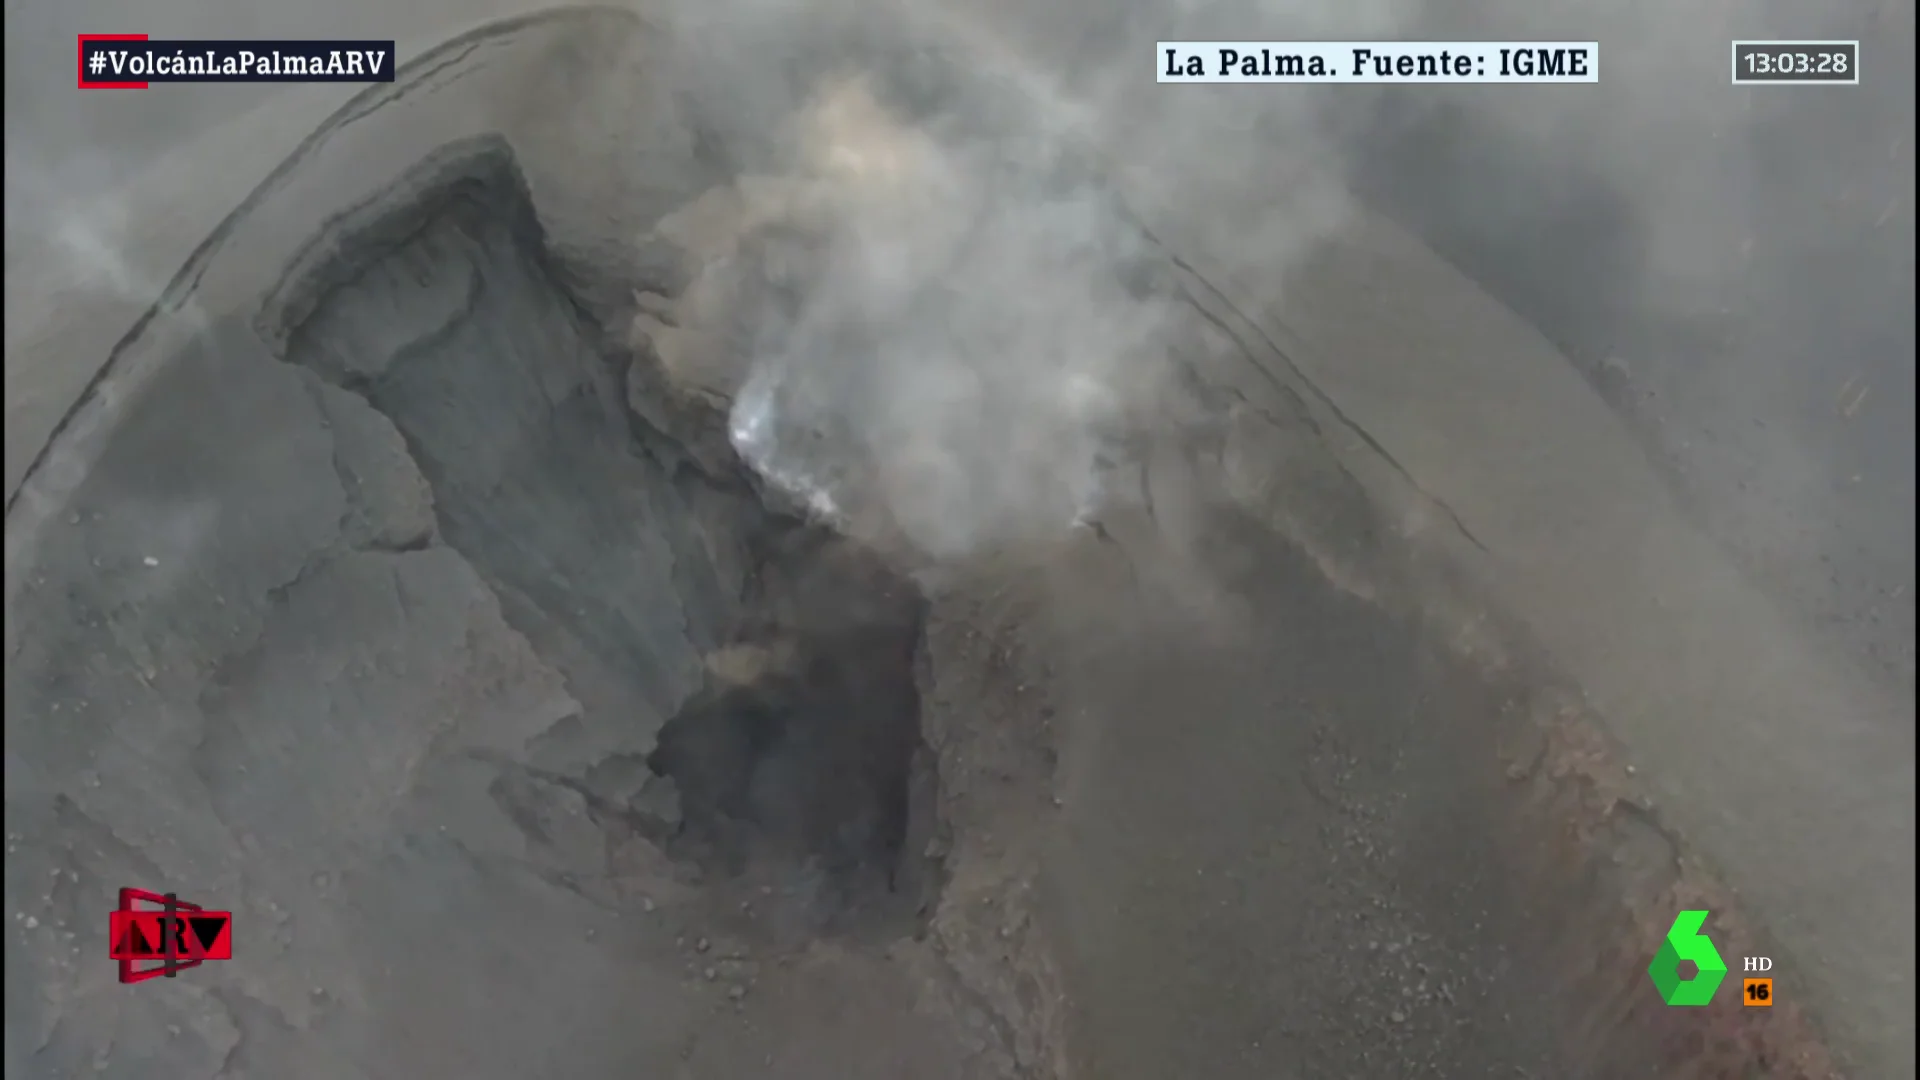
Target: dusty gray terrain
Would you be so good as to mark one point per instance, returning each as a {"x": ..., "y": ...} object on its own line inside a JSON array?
[{"x": 395, "y": 585}]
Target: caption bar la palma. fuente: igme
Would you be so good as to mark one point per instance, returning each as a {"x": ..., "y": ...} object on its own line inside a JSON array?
[
  {"x": 1455, "y": 62},
  {"x": 132, "y": 61}
]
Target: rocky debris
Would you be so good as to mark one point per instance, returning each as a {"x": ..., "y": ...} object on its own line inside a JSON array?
[
  {"x": 659, "y": 804},
  {"x": 746, "y": 662},
  {"x": 389, "y": 504}
]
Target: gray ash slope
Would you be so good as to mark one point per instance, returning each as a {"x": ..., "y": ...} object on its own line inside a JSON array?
[
  {"x": 428, "y": 748},
  {"x": 395, "y": 688}
]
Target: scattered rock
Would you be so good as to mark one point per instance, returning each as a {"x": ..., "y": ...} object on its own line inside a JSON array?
[
  {"x": 659, "y": 800},
  {"x": 656, "y": 306}
]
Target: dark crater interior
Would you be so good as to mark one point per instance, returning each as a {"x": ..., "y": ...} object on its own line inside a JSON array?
[{"x": 612, "y": 549}]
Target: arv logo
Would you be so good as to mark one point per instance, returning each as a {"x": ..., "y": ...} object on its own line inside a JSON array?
[{"x": 1686, "y": 942}]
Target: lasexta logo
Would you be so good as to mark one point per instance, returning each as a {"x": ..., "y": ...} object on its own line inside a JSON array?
[{"x": 1685, "y": 942}]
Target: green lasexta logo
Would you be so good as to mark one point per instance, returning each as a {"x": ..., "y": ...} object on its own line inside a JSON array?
[{"x": 1686, "y": 942}]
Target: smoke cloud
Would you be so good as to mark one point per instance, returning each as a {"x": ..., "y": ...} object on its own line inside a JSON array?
[
  {"x": 1723, "y": 263},
  {"x": 1734, "y": 267},
  {"x": 963, "y": 357},
  {"x": 968, "y": 352}
]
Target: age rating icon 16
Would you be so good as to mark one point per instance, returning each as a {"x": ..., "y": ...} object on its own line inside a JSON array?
[{"x": 174, "y": 932}]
